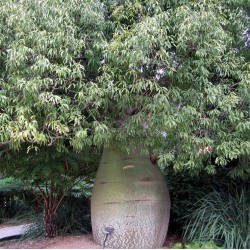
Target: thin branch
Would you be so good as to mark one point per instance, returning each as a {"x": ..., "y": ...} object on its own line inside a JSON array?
[
  {"x": 46, "y": 187},
  {"x": 4, "y": 143},
  {"x": 64, "y": 194},
  {"x": 41, "y": 191}
]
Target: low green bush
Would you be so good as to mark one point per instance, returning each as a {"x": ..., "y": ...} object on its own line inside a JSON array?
[
  {"x": 10, "y": 185},
  {"x": 14, "y": 200},
  {"x": 222, "y": 216},
  {"x": 184, "y": 190},
  {"x": 196, "y": 245},
  {"x": 73, "y": 217}
]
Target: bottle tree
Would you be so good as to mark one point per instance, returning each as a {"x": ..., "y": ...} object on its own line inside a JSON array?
[
  {"x": 171, "y": 77},
  {"x": 181, "y": 69}
]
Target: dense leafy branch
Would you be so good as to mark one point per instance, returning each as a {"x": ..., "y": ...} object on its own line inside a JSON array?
[{"x": 173, "y": 75}]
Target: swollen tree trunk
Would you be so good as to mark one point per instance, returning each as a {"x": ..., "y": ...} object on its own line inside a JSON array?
[{"x": 130, "y": 203}]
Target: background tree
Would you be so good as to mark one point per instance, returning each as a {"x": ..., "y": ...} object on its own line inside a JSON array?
[
  {"x": 50, "y": 52},
  {"x": 52, "y": 176}
]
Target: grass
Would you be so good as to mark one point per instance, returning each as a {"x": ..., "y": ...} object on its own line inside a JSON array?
[{"x": 223, "y": 217}]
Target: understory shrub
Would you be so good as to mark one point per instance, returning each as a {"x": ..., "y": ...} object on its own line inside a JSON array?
[
  {"x": 73, "y": 217},
  {"x": 222, "y": 216},
  {"x": 14, "y": 199},
  {"x": 184, "y": 189}
]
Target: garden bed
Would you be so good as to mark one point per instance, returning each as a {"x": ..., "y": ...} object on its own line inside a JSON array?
[{"x": 67, "y": 242}]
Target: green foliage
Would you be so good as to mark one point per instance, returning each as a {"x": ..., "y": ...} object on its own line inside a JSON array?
[
  {"x": 43, "y": 165},
  {"x": 196, "y": 245},
  {"x": 13, "y": 199},
  {"x": 184, "y": 189},
  {"x": 177, "y": 245},
  {"x": 71, "y": 72},
  {"x": 206, "y": 245},
  {"x": 73, "y": 216},
  {"x": 51, "y": 50},
  {"x": 81, "y": 74},
  {"x": 51, "y": 176},
  {"x": 178, "y": 65},
  {"x": 11, "y": 185},
  {"x": 222, "y": 216}
]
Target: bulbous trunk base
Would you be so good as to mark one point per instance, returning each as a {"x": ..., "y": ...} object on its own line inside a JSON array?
[{"x": 130, "y": 196}]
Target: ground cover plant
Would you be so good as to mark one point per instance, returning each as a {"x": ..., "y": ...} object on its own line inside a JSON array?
[
  {"x": 196, "y": 245},
  {"x": 223, "y": 217}
]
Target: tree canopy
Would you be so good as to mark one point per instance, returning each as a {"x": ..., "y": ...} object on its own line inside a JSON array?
[{"x": 171, "y": 75}]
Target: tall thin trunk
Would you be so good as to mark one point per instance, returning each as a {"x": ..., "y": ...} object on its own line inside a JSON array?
[
  {"x": 49, "y": 217},
  {"x": 53, "y": 197}
]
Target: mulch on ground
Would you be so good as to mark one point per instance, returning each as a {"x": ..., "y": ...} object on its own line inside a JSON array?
[{"x": 67, "y": 242}]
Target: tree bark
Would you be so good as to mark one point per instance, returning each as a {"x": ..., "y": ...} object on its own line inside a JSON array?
[
  {"x": 130, "y": 195},
  {"x": 49, "y": 218}
]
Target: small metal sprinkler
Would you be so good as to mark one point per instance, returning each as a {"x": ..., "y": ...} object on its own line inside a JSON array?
[{"x": 108, "y": 231}]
